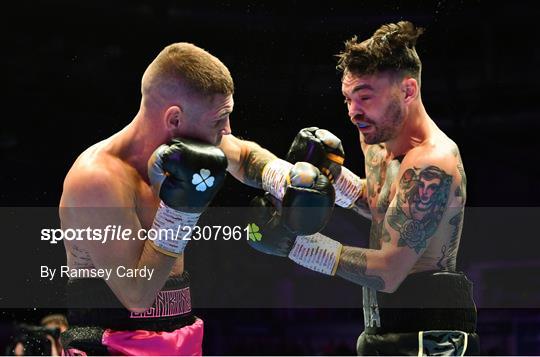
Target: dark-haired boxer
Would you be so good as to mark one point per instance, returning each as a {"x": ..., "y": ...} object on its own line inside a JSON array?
[
  {"x": 415, "y": 190},
  {"x": 161, "y": 171}
]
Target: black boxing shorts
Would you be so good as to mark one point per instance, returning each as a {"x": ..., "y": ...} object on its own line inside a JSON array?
[{"x": 431, "y": 312}]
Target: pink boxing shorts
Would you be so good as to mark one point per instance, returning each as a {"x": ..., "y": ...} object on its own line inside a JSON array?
[
  {"x": 168, "y": 327},
  {"x": 186, "y": 341}
]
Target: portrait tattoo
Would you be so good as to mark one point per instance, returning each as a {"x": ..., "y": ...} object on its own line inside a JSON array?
[{"x": 421, "y": 202}]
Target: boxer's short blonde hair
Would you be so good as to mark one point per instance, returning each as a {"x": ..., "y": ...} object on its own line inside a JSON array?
[{"x": 183, "y": 68}]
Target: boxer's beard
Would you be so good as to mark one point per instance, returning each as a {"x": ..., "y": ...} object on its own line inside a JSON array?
[{"x": 389, "y": 126}]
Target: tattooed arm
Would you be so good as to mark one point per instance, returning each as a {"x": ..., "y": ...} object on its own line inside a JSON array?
[
  {"x": 419, "y": 208},
  {"x": 246, "y": 159},
  {"x": 353, "y": 264}
]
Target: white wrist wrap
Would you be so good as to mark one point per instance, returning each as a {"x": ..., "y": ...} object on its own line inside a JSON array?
[
  {"x": 169, "y": 234},
  {"x": 348, "y": 188},
  {"x": 316, "y": 252},
  {"x": 274, "y": 177}
]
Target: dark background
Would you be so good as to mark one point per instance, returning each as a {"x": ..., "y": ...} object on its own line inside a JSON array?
[{"x": 71, "y": 77}]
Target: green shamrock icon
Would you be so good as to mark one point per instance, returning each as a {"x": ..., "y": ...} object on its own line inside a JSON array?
[{"x": 254, "y": 233}]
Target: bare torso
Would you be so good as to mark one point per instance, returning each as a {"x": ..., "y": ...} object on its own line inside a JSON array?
[
  {"x": 140, "y": 200},
  {"x": 382, "y": 181}
]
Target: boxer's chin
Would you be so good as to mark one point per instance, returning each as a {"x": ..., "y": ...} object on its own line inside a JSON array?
[
  {"x": 378, "y": 135},
  {"x": 370, "y": 137}
]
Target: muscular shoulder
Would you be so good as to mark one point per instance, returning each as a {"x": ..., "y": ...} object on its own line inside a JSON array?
[
  {"x": 437, "y": 163},
  {"x": 374, "y": 154},
  {"x": 441, "y": 152},
  {"x": 97, "y": 178}
]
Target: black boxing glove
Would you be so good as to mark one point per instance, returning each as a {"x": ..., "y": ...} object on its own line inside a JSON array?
[
  {"x": 267, "y": 232},
  {"x": 308, "y": 202},
  {"x": 186, "y": 175},
  {"x": 307, "y": 195},
  {"x": 320, "y": 148},
  {"x": 268, "y": 235},
  {"x": 324, "y": 150}
]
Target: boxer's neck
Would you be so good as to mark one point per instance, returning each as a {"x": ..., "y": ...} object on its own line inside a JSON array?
[
  {"x": 138, "y": 140},
  {"x": 417, "y": 128}
]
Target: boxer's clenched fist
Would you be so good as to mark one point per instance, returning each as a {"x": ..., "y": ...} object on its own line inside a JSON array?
[
  {"x": 306, "y": 209},
  {"x": 186, "y": 175},
  {"x": 318, "y": 147}
]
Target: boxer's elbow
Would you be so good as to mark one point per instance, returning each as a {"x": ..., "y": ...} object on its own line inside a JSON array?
[
  {"x": 393, "y": 274},
  {"x": 391, "y": 284},
  {"x": 137, "y": 310},
  {"x": 138, "y": 305},
  {"x": 135, "y": 298}
]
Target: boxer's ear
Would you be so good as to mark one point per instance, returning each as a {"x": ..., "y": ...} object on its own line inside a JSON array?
[
  {"x": 410, "y": 89},
  {"x": 173, "y": 117}
]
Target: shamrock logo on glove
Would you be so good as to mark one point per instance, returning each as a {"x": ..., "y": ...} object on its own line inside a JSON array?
[
  {"x": 202, "y": 180},
  {"x": 254, "y": 233}
]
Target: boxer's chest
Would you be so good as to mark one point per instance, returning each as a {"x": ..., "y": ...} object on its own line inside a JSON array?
[{"x": 381, "y": 176}]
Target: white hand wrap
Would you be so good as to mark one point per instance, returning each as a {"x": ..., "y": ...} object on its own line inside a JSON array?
[
  {"x": 349, "y": 188},
  {"x": 170, "y": 235},
  {"x": 316, "y": 252},
  {"x": 274, "y": 177}
]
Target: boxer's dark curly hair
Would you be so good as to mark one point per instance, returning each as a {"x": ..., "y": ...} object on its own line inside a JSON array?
[{"x": 391, "y": 48}]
